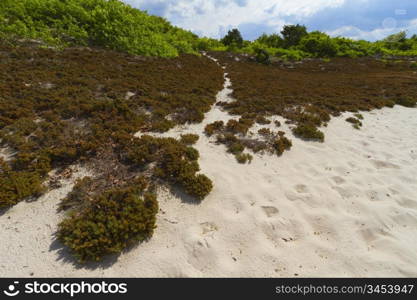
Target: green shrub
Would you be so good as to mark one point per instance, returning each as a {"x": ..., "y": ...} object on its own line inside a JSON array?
[
  {"x": 262, "y": 57},
  {"x": 262, "y": 120},
  {"x": 113, "y": 221},
  {"x": 16, "y": 186},
  {"x": 319, "y": 44},
  {"x": 308, "y": 132},
  {"x": 406, "y": 101},
  {"x": 235, "y": 148},
  {"x": 189, "y": 139},
  {"x": 174, "y": 162},
  {"x": 357, "y": 124},
  {"x": 198, "y": 186},
  {"x": 109, "y": 24},
  {"x": 281, "y": 144},
  {"x": 213, "y": 128},
  {"x": 243, "y": 158},
  {"x": 264, "y": 132},
  {"x": 359, "y": 116}
]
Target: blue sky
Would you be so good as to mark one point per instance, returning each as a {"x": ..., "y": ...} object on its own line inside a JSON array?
[{"x": 358, "y": 19}]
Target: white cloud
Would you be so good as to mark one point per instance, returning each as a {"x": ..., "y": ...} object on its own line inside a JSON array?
[
  {"x": 213, "y": 18},
  {"x": 373, "y": 35}
]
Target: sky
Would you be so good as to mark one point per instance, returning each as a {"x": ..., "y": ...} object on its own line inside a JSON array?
[{"x": 358, "y": 19}]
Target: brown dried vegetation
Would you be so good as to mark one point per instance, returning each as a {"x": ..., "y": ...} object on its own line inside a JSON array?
[
  {"x": 308, "y": 93},
  {"x": 82, "y": 105}
]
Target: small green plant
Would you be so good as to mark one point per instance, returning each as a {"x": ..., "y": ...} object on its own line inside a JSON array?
[
  {"x": 308, "y": 132},
  {"x": 243, "y": 158},
  {"x": 359, "y": 116},
  {"x": 357, "y": 124}
]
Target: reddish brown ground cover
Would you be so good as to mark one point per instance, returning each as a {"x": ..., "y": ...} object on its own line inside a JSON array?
[{"x": 308, "y": 93}]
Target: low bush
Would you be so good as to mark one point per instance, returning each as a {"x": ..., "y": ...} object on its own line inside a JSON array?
[
  {"x": 262, "y": 120},
  {"x": 213, "y": 128},
  {"x": 243, "y": 158},
  {"x": 189, "y": 139},
  {"x": 281, "y": 144},
  {"x": 406, "y": 101},
  {"x": 359, "y": 116},
  {"x": 357, "y": 124},
  {"x": 265, "y": 132},
  {"x": 308, "y": 132},
  {"x": 113, "y": 221},
  {"x": 198, "y": 186},
  {"x": 17, "y": 186},
  {"x": 172, "y": 161}
]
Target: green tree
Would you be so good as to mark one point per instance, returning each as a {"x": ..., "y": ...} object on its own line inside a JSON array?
[
  {"x": 233, "y": 38},
  {"x": 293, "y": 34}
]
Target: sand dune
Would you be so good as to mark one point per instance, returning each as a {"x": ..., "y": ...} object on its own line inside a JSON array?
[{"x": 346, "y": 207}]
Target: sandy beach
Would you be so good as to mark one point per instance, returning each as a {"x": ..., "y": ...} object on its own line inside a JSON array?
[{"x": 346, "y": 207}]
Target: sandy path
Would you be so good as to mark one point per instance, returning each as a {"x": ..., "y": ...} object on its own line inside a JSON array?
[{"x": 347, "y": 207}]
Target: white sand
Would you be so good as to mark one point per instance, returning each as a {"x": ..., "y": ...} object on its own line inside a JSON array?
[{"x": 347, "y": 207}]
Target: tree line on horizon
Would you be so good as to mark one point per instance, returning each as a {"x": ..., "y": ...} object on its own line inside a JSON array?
[{"x": 115, "y": 25}]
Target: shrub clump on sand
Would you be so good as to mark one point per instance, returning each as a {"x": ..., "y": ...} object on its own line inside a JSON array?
[
  {"x": 170, "y": 160},
  {"x": 406, "y": 101},
  {"x": 213, "y": 128},
  {"x": 356, "y": 123},
  {"x": 308, "y": 132},
  {"x": 262, "y": 120},
  {"x": 281, "y": 144},
  {"x": 189, "y": 139},
  {"x": 16, "y": 186},
  {"x": 113, "y": 221},
  {"x": 243, "y": 158}
]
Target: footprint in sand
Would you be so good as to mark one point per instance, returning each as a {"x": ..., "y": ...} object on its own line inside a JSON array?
[
  {"x": 384, "y": 165},
  {"x": 338, "y": 180},
  {"x": 208, "y": 227},
  {"x": 270, "y": 211},
  {"x": 301, "y": 188}
]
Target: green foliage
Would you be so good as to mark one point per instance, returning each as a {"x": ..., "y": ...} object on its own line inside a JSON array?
[
  {"x": 359, "y": 116},
  {"x": 271, "y": 41},
  {"x": 308, "y": 132},
  {"x": 173, "y": 161},
  {"x": 113, "y": 221},
  {"x": 189, "y": 139},
  {"x": 293, "y": 34},
  {"x": 16, "y": 186},
  {"x": 281, "y": 144},
  {"x": 263, "y": 57},
  {"x": 233, "y": 39},
  {"x": 406, "y": 101},
  {"x": 213, "y": 128},
  {"x": 110, "y": 24},
  {"x": 244, "y": 158},
  {"x": 357, "y": 124},
  {"x": 319, "y": 44}
]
